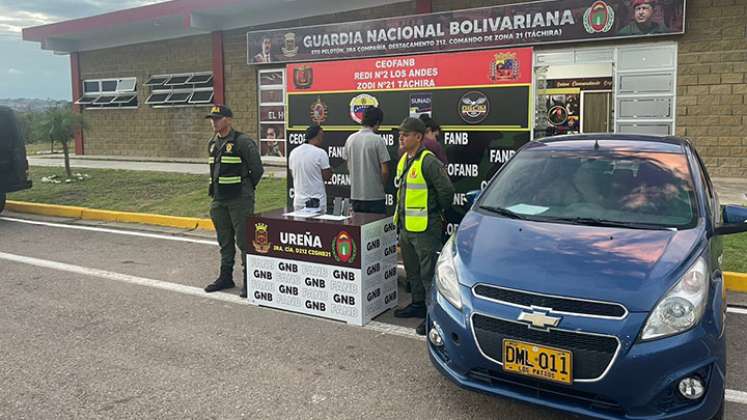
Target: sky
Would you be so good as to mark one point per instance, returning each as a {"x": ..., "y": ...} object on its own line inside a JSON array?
[{"x": 27, "y": 71}]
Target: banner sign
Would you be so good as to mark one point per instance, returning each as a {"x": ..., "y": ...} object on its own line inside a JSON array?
[
  {"x": 413, "y": 72},
  {"x": 588, "y": 83},
  {"x": 484, "y": 113},
  {"x": 540, "y": 22}
]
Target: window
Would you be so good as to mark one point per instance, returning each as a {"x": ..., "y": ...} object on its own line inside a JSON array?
[
  {"x": 200, "y": 78},
  {"x": 157, "y": 98},
  {"x": 156, "y": 81},
  {"x": 104, "y": 99},
  {"x": 177, "y": 80},
  {"x": 182, "y": 89},
  {"x": 272, "y": 113},
  {"x": 202, "y": 97},
  {"x": 178, "y": 98},
  {"x": 109, "y": 93}
]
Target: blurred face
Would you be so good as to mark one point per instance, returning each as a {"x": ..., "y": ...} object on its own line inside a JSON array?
[
  {"x": 643, "y": 13},
  {"x": 220, "y": 124},
  {"x": 432, "y": 134},
  {"x": 410, "y": 140},
  {"x": 271, "y": 134},
  {"x": 266, "y": 45}
]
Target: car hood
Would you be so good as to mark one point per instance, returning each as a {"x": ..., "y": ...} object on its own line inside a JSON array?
[{"x": 633, "y": 267}]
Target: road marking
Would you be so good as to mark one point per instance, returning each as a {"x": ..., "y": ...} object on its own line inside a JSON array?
[
  {"x": 738, "y": 397},
  {"x": 125, "y": 278},
  {"x": 734, "y": 396},
  {"x": 393, "y": 330},
  {"x": 115, "y": 231},
  {"x": 376, "y": 326},
  {"x": 736, "y": 310}
]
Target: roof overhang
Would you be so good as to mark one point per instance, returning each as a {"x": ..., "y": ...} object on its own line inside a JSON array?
[{"x": 180, "y": 18}]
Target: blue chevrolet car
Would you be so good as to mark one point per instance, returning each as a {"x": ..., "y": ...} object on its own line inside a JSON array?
[{"x": 587, "y": 278}]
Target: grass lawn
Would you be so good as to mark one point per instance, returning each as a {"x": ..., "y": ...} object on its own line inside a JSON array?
[
  {"x": 735, "y": 253},
  {"x": 139, "y": 191}
]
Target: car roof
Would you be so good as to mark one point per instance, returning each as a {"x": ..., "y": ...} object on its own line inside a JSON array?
[{"x": 636, "y": 142}]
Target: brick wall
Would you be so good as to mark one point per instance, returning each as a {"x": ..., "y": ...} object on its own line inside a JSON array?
[
  {"x": 145, "y": 131},
  {"x": 712, "y": 84}
]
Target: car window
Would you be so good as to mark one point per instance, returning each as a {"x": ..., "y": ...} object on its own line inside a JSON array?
[{"x": 615, "y": 185}]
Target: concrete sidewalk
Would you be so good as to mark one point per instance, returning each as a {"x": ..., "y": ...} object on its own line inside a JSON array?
[
  {"x": 731, "y": 190},
  {"x": 175, "y": 165}
]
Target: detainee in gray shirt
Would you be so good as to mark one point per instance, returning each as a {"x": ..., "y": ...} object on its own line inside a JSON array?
[{"x": 368, "y": 164}]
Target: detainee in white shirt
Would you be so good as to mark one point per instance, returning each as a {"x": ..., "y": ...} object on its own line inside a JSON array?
[{"x": 309, "y": 165}]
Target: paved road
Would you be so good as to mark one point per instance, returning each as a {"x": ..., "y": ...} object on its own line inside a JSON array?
[{"x": 97, "y": 324}]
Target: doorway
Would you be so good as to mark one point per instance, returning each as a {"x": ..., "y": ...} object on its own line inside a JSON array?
[{"x": 596, "y": 108}]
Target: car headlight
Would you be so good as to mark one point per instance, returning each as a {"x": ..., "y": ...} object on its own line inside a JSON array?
[
  {"x": 447, "y": 281},
  {"x": 682, "y": 307}
]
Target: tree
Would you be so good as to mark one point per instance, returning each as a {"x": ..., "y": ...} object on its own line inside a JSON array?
[{"x": 61, "y": 123}]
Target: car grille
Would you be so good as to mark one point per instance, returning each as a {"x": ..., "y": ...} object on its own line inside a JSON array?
[
  {"x": 592, "y": 354},
  {"x": 558, "y": 304},
  {"x": 548, "y": 390}
]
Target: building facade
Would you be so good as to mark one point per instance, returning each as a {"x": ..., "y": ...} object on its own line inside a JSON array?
[{"x": 145, "y": 77}]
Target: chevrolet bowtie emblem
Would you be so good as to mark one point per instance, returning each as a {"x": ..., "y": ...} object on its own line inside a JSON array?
[{"x": 539, "y": 320}]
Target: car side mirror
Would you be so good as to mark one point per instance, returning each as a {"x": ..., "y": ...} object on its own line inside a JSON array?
[
  {"x": 735, "y": 220},
  {"x": 472, "y": 197}
]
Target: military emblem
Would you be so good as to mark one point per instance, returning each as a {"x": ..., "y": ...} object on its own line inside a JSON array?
[
  {"x": 229, "y": 147},
  {"x": 599, "y": 17},
  {"x": 290, "y": 49},
  {"x": 318, "y": 111},
  {"x": 505, "y": 66},
  {"x": 343, "y": 248},
  {"x": 413, "y": 173},
  {"x": 557, "y": 115},
  {"x": 303, "y": 77},
  {"x": 261, "y": 238},
  {"x": 359, "y": 104},
  {"x": 215, "y": 110},
  {"x": 474, "y": 107}
]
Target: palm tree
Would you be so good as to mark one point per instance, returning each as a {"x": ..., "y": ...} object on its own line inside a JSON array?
[{"x": 61, "y": 123}]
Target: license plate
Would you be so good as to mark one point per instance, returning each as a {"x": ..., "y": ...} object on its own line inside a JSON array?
[{"x": 538, "y": 361}]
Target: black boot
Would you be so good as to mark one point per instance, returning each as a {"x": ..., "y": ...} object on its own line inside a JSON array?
[
  {"x": 224, "y": 281},
  {"x": 413, "y": 310},
  {"x": 420, "y": 330},
  {"x": 243, "y": 292}
]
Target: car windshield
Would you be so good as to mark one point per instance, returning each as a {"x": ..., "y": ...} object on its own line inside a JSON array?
[{"x": 606, "y": 187}]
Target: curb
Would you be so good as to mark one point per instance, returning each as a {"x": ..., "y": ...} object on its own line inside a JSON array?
[
  {"x": 736, "y": 282},
  {"x": 109, "y": 216}
]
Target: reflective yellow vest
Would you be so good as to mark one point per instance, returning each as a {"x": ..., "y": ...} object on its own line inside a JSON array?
[{"x": 416, "y": 193}]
